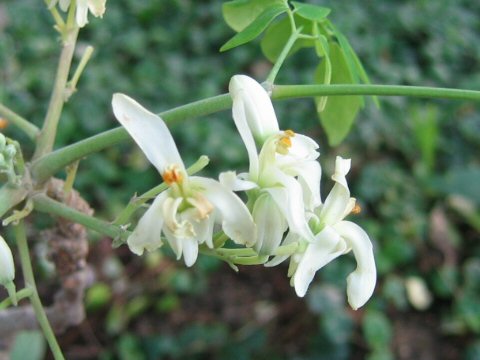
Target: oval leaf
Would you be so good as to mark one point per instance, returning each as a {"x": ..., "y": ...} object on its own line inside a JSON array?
[
  {"x": 311, "y": 12},
  {"x": 239, "y": 14},
  {"x": 255, "y": 28},
  {"x": 340, "y": 111}
]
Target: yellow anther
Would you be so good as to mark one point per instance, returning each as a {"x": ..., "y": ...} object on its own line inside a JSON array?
[
  {"x": 172, "y": 175},
  {"x": 285, "y": 142},
  {"x": 357, "y": 209}
]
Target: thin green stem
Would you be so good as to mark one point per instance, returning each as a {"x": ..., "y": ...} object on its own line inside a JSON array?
[
  {"x": 34, "y": 298},
  {"x": 23, "y": 124},
  {"x": 283, "y": 55},
  {"x": 20, "y": 295},
  {"x": 47, "y": 135},
  {"x": 281, "y": 92},
  {"x": 45, "y": 167},
  {"x": 72, "y": 84},
  {"x": 45, "y": 204}
]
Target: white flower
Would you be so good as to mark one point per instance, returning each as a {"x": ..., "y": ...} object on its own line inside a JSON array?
[
  {"x": 284, "y": 178},
  {"x": 7, "y": 268},
  {"x": 334, "y": 237},
  {"x": 96, "y": 7},
  {"x": 187, "y": 211}
]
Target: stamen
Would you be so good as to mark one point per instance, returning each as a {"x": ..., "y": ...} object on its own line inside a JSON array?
[
  {"x": 172, "y": 175},
  {"x": 3, "y": 123},
  {"x": 357, "y": 209},
  {"x": 285, "y": 142}
]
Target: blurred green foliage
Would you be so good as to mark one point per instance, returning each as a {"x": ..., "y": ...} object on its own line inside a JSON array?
[{"x": 416, "y": 170}]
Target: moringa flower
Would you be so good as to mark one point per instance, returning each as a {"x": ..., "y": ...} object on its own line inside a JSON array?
[
  {"x": 283, "y": 179},
  {"x": 333, "y": 237},
  {"x": 187, "y": 211},
  {"x": 96, "y": 7}
]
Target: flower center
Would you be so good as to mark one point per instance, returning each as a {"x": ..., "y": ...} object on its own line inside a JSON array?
[
  {"x": 172, "y": 175},
  {"x": 285, "y": 142}
]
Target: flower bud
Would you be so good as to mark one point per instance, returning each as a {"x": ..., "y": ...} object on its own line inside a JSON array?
[{"x": 7, "y": 269}]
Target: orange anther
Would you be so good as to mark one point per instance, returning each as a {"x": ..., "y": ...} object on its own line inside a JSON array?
[
  {"x": 357, "y": 209},
  {"x": 172, "y": 176},
  {"x": 3, "y": 123}
]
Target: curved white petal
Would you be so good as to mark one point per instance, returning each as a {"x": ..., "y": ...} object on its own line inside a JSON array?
[
  {"x": 7, "y": 268},
  {"x": 361, "y": 282},
  {"x": 327, "y": 246},
  {"x": 303, "y": 148},
  {"x": 149, "y": 132},
  {"x": 289, "y": 199},
  {"x": 271, "y": 224},
  {"x": 82, "y": 13},
  {"x": 237, "y": 222},
  {"x": 258, "y": 108},
  {"x": 338, "y": 199},
  {"x": 190, "y": 251},
  {"x": 231, "y": 181},
  {"x": 64, "y": 4},
  {"x": 97, "y": 7},
  {"x": 147, "y": 234},
  {"x": 240, "y": 119},
  {"x": 309, "y": 174}
]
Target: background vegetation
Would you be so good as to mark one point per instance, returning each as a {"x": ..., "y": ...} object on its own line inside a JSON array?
[{"x": 416, "y": 171}]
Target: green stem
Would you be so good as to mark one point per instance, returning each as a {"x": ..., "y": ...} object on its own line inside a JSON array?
[
  {"x": 281, "y": 92},
  {"x": 20, "y": 295},
  {"x": 23, "y": 124},
  {"x": 45, "y": 167},
  {"x": 283, "y": 55},
  {"x": 47, "y": 135},
  {"x": 44, "y": 204},
  {"x": 34, "y": 298}
]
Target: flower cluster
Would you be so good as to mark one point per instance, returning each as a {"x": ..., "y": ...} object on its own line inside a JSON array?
[{"x": 284, "y": 216}]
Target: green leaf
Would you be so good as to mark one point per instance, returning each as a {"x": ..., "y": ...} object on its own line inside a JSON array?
[
  {"x": 241, "y": 13},
  {"x": 277, "y": 36},
  {"x": 255, "y": 28},
  {"x": 311, "y": 12},
  {"x": 340, "y": 111}
]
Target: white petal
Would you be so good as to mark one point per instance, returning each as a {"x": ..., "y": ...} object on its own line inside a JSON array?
[
  {"x": 97, "y": 7},
  {"x": 147, "y": 234},
  {"x": 338, "y": 199},
  {"x": 361, "y": 282},
  {"x": 149, "y": 132},
  {"x": 289, "y": 199},
  {"x": 231, "y": 181},
  {"x": 190, "y": 251},
  {"x": 64, "y": 4},
  {"x": 271, "y": 224},
  {"x": 240, "y": 119},
  {"x": 327, "y": 246},
  {"x": 7, "y": 268},
  {"x": 309, "y": 174},
  {"x": 258, "y": 107},
  {"x": 237, "y": 223},
  {"x": 303, "y": 148},
  {"x": 82, "y": 13}
]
